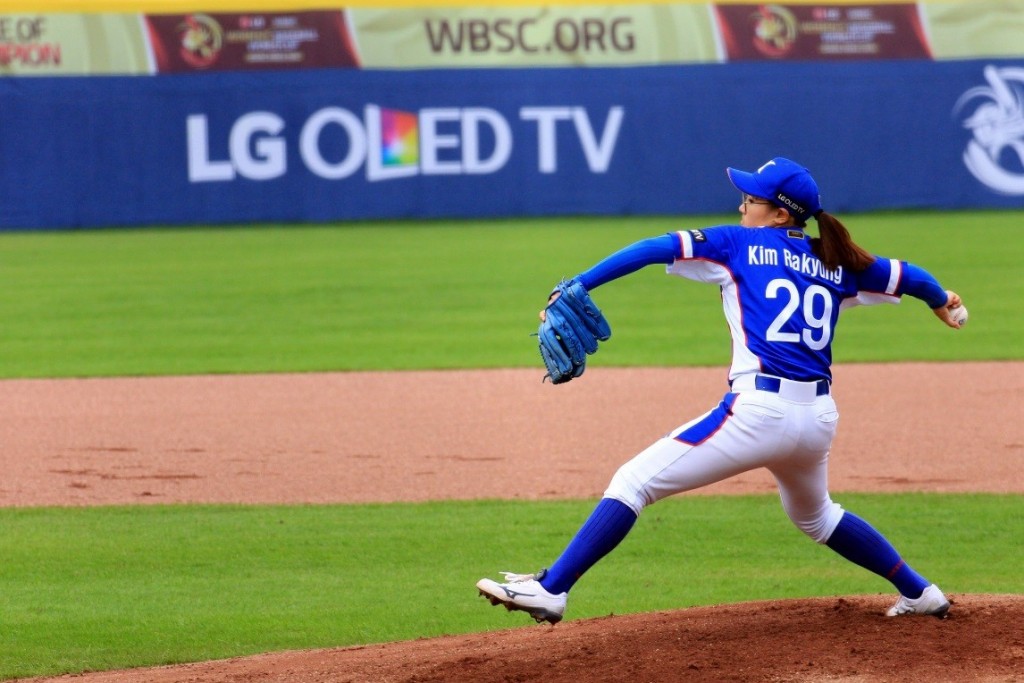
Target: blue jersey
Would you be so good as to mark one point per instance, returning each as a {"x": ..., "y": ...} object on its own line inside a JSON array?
[{"x": 781, "y": 303}]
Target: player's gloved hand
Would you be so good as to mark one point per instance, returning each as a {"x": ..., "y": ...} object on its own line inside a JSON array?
[
  {"x": 571, "y": 326},
  {"x": 948, "y": 314}
]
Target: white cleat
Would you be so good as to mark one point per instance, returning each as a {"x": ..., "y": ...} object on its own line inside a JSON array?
[
  {"x": 932, "y": 602},
  {"x": 523, "y": 592}
]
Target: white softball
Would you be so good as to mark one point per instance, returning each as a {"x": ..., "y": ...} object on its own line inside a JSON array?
[{"x": 958, "y": 315}]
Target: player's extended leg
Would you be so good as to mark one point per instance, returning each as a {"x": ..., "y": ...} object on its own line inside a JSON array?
[
  {"x": 723, "y": 442},
  {"x": 543, "y": 595}
]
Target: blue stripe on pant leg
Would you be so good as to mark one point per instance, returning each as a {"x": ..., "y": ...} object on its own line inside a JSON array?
[{"x": 701, "y": 431}]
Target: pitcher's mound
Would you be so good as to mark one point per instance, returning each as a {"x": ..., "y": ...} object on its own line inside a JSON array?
[{"x": 823, "y": 639}]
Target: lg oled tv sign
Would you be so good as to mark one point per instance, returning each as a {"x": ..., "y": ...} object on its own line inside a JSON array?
[{"x": 384, "y": 144}]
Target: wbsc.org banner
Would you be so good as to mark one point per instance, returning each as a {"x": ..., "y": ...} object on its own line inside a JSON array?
[
  {"x": 524, "y": 35},
  {"x": 344, "y": 144}
]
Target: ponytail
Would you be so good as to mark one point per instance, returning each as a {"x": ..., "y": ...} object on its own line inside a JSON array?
[{"x": 836, "y": 248}]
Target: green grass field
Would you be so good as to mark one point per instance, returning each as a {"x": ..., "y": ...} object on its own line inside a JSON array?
[
  {"x": 121, "y": 587},
  {"x": 433, "y": 295},
  {"x": 117, "y": 587}
]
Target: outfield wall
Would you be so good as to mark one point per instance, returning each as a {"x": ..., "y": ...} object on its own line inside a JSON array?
[{"x": 327, "y": 115}]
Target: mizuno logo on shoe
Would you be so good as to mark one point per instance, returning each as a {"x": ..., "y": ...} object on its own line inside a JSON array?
[{"x": 514, "y": 594}]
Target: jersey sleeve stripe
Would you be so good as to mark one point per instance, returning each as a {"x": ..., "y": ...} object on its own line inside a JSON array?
[
  {"x": 895, "y": 273},
  {"x": 686, "y": 240}
]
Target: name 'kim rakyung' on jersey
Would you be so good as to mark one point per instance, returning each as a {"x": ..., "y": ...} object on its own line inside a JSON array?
[{"x": 758, "y": 255}]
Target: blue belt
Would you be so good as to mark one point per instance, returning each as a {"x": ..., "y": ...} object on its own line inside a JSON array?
[{"x": 773, "y": 384}]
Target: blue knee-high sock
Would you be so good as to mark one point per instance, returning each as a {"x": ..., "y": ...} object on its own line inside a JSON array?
[
  {"x": 607, "y": 525},
  {"x": 860, "y": 543}
]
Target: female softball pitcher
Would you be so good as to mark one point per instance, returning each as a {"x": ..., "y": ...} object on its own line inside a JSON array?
[{"x": 782, "y": 292}]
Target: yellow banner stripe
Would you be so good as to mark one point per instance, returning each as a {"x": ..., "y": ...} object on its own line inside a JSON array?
[{"x": 186, "y": 6}]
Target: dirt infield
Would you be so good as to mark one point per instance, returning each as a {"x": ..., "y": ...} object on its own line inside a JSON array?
[
  {"x": 811, "y": 641},
  {"x": 374, "y": 437}
]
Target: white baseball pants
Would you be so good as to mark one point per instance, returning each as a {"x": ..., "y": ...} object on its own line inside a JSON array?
[{"x": 789, "y": 433}]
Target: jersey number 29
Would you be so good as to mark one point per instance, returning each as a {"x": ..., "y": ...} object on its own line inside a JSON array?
[{"x": 820, "y": 323}]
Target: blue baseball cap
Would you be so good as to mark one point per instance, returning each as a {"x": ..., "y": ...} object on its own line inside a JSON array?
[{"x": 785, "y": 183}]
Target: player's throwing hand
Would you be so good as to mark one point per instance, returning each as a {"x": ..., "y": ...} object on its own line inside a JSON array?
[{"x": 953, "y": 313}]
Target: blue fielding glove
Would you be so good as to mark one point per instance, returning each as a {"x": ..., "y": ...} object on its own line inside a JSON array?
[{"x": 572, "y": 327}]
